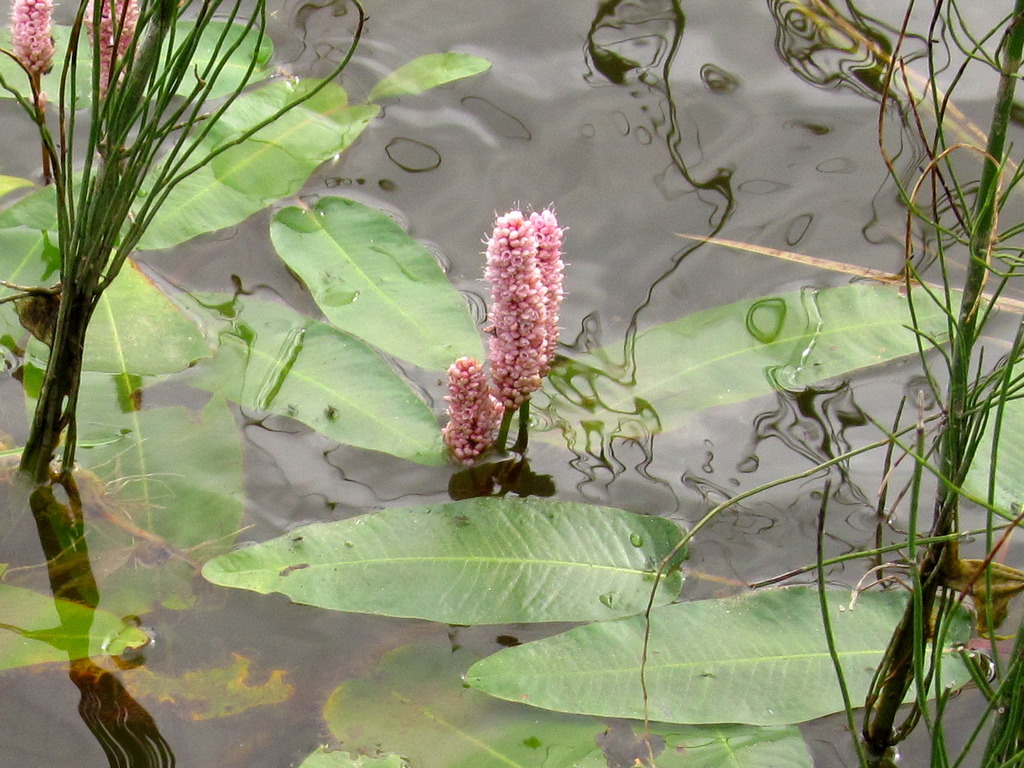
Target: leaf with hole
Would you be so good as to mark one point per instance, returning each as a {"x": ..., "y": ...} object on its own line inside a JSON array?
[
  {"x": 729, "y": 354},
  {"x": 275, "y": 360}
]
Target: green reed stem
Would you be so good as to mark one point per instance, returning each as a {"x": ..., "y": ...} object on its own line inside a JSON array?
[{"x": 958, "y": 440}]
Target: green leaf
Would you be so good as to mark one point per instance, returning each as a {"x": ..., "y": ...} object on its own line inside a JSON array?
[
  {"x": 272, "y": 164},
  {"x": 760, "y": 659},
  {"x": 136, "y": 329},
  {"x": 235, "y": 64},
  {"x": 10, "y": 183},
  {"x": 36, "y": 210},
  {"x": 730, "y": 354},
  {"x": 166, "y": 491},
  {"x": 1009, "y": 467},
  {"x": 480, "y": 561},
  {"x": 372, "y": 279},
  {"x": 325, "y": 758},
  {"x": 415, "y": 701},
  {"x": 32, "y": 630},
  {"x": 275, "y": 360},
  {"x": 428, "y": 72}
]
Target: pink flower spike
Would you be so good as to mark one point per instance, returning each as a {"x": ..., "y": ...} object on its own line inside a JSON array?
[
  {"x": 31, "y": 35},
  {"x": 118, "y": 19},
  {"x": 518, "y": 309},
  {"x": 549, "y": 260},
  {"x": 473, "y": 412}
]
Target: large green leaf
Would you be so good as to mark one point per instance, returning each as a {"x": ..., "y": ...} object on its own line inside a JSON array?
[
  {"x": 272, "y": 164},
  {"x": 164, "y": 492},
  {"x": 33, "y": 632},
  {"x": 232, "y": 66},
  {"x": 427, "y": 72},
  {"x": 760, "y": 659},
  {"x": 480, "y": 561},
  {"x": 416, "y": 701},
  {"x": 136, "y": 329},
  {"x": 372, "y": 279},
  {"x": 273, "y": 359},
  {"x": 729, "y": 354}
]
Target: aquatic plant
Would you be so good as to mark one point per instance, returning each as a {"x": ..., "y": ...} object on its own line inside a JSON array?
[
  {"x": 474, "y": 414},
  {"x": 31, "y": 37},
  {"x": 168, "y": 479}
]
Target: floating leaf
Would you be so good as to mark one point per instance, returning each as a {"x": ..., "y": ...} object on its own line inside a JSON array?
[
  {"x": 10, "y": 183},
  {"x": 478, "y": 561},
  {"x": 704, "y": 655},
  {"x": 372, "y": 279},
  {"x": 205, "y": 694},
  {"x": 136, "y": 329},
  {"x": 325, "y": 758},
  {"x": 1009, "y": 468},
  {"x": 272, "y": 164},
  {"x": 33, "y": 632},
  {"x": 36, "y": 210},
  {"x": 233, "y": 64},
  {"x": 275, "y": 360},
  {"x": 427, "y": 72},
  {"x": 416, "y": 700},
  {"x": 730, "y": 354}
]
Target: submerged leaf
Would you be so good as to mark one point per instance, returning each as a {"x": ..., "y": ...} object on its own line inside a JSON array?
[
  {"x": 167, "y": 493},
  {"x": 479, "y": 561},
  {"x": 275, "y": 360},
  {"x": 730, "y": 354},
  {"x": 35, "y": 629},
  {"x": 427, "y": 72},
  {"x": 372, "y": 279},
  {"x": 325, "y": 758},
  {"x": 706, "y": 657},
  {"x": 205, "y": 694},
  {"x": 136, "y": 329}
]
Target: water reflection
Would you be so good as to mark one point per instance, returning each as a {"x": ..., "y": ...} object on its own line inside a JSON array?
[
  {"x": 124, "y": 729},
  {"x": 826, "y": 48}
]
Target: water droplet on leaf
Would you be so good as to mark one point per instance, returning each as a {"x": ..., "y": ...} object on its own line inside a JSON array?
[{"x": 636, "y": 539}]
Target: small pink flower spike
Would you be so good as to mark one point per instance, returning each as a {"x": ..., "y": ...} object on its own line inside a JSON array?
[
  {"x": 118, "y": 19},
  {"x": 518, "y": 309},
  {"x": 473, "y": 412},
  {"x": 31, "y": 35},
  {"x": 549, "y": 260}
]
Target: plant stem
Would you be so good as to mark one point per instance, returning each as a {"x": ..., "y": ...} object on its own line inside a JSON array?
[{"x": 956, "y": 442}]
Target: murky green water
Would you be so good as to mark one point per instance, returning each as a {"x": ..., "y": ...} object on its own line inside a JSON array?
[{"x": 638, "y": 120}]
